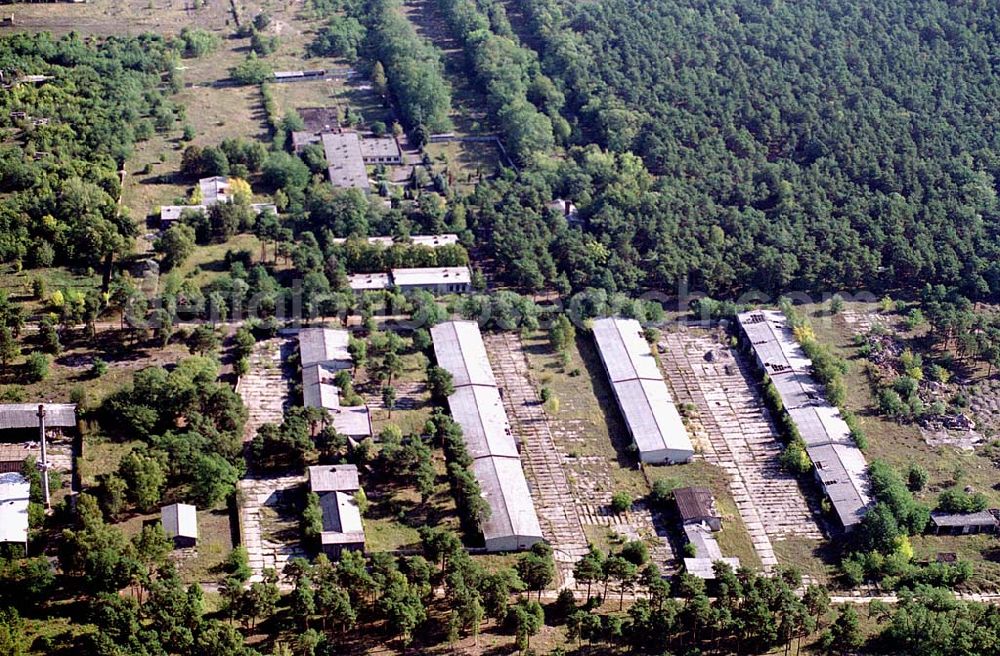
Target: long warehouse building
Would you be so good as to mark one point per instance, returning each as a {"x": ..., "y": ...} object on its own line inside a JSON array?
[
  {"x": 476, "y": 405},
  {"x": 646, "y": 405},
  {"x": 840, "y": 467}
]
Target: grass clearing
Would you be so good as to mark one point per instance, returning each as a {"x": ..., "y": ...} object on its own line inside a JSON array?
[{"x": 899, "y": 444}]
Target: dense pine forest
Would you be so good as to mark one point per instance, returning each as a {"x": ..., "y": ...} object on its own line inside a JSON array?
[{"x": 803, "y": 145}]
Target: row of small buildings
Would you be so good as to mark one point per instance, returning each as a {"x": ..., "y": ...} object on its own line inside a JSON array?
[
  {"x": 477, "y": 406},
  {"x": 839, "y": 465}
]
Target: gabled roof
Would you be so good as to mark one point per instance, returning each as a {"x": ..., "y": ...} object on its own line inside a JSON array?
[
  {"x": 325, "y": 346},
  {"x": 695, "y": 503},
  {"x": 624, "y": 350},
  {"x": 180, "y": 519},
  {"x": 25, "y": 415},
  {"x": 512, "y": 512},
  {"x": 459, "y": 348},
  {"x": 480, "y": 412}
]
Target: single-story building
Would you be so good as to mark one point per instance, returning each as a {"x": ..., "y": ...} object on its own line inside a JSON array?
[
  {"x": 697, "y": 506},
  {"x": 381, "y": 150},
  {"x": 707, "y": 552},
  {"x": 180, "y": 523},
  {"x": 439, "y": 280},
  {"x": 14, "y": 493},
  {"x": 343, "y": 530},
  {"x": 963, "y": 523}
]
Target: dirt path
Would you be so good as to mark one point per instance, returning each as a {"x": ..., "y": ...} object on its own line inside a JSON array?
[
  {"x": 542, "y": 461},
  {"x": 735, "y": 432}
]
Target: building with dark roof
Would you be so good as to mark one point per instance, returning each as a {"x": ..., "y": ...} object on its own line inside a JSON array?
[
  {"x": 696, "y": 505},
  {"x": 963, "y": 523}
]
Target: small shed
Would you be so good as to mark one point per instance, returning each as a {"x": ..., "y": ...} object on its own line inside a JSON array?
[
  {"x": 180, "y": 523},
  {"x": 697, "y": 506},
  {"x": 963, "y": 523}
]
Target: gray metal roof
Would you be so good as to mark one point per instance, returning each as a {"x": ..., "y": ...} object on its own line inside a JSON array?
[
  {"x": 326, "y": 346},
  {"x": 333, "y": 478},
  {"x": 459, "y": 348},
  {"x": 982, "y": 518},
  {"x": 651, "y": 416},
  {"x": 180, "y": 519},
  {"x": 512, "y": 512},
  {"x": 25, "y": 415},
  {"x": 340, "y": 516},
  {"x": 214, "y": 190},
  {"x": 345, "y": 161},
  {"x": 172, "y": 213},
  {"x": 840, "y": 466},
  {"x": 480, "y": 412},
  {"x": 624, "y": 350},
  {"x": 318, "y": 390},
  {"x": 353, "y": 421},
  {"x": 14, "y": 491}
]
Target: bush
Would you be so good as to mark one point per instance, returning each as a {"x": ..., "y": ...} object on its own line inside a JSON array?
[
  {"x": 37, "y": 367},
  {"x": 958, "y": 501},
  {"x": 620, "y": 502},
  {"x": 663, "y": 491},
  {"x": 98, "y": 368},
  {"x": 916, "y": 478}
]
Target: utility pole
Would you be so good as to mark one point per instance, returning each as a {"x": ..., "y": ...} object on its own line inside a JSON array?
[{"x": 44, "y": 464}]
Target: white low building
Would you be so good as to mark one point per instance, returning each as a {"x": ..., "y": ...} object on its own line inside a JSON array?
[
  {"x": 322, "y": 353},
  {"x": 643, "y": 397},
  {"x": 476, "y": 405},
  {"x": 14, "y": 494}
]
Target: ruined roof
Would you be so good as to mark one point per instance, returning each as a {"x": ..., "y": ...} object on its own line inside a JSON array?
[
  {"x": 840, "y": 465},
  {"x": 695, "y": 503},
  {"x": 333, "y": 478}
]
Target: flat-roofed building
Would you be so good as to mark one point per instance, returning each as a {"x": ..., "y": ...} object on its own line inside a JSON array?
[
  {"x": 367, "y": 282},
  {"x": 381, "y": 150},
  {"x": 180, "y": 523},
  {"x": 346, "y": 165},
  {"x": 171, "y": 214},
  {"x": 707, "y": 552},
  {"x": 643, "y": 397},
  {"x": 302, "y": 139},
  {"x": 439, "y": 280},
  {"x": 476, "y": 405},
  {"x": 963, "y": 523},
  {"x": 839, "y": 465},
  {"x": 432, "y": 241},
  {"x": 343, "y": 529},
  {"x": 14, "y": 495}
]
